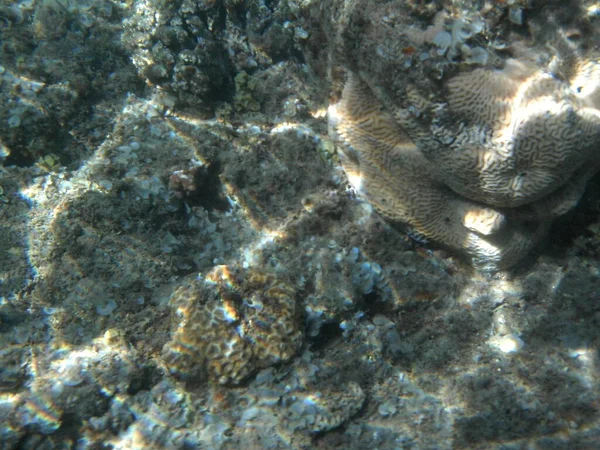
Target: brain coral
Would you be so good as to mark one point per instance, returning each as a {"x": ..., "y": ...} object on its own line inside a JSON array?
[
  {"x": 481, "y": 160},
  {"x": 232, "y": 323},
  {"x": 522, "y": 131}
]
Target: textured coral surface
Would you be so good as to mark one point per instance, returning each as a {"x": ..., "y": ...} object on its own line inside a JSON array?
[
  {"x": 233, "y": 329},
  {"x": 485, "y": 162}
]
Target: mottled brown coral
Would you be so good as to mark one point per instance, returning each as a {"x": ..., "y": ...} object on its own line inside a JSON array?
[
  {"x": 232, "y": 323},
  {"x": 271, "y": 318}
]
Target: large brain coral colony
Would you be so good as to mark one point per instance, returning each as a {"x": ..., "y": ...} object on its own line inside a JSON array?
[{"x": 483, "y": 162}]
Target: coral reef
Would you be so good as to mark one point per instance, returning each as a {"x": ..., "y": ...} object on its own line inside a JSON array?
[
  {"x": 484, "y": 165},
  {"x": 183, "y": 264}
]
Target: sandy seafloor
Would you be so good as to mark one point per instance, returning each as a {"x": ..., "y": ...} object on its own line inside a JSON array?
[{"x": 159, "y": 158}]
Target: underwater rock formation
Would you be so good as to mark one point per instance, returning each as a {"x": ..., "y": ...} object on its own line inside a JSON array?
[{"x": 476, "y": 158}]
